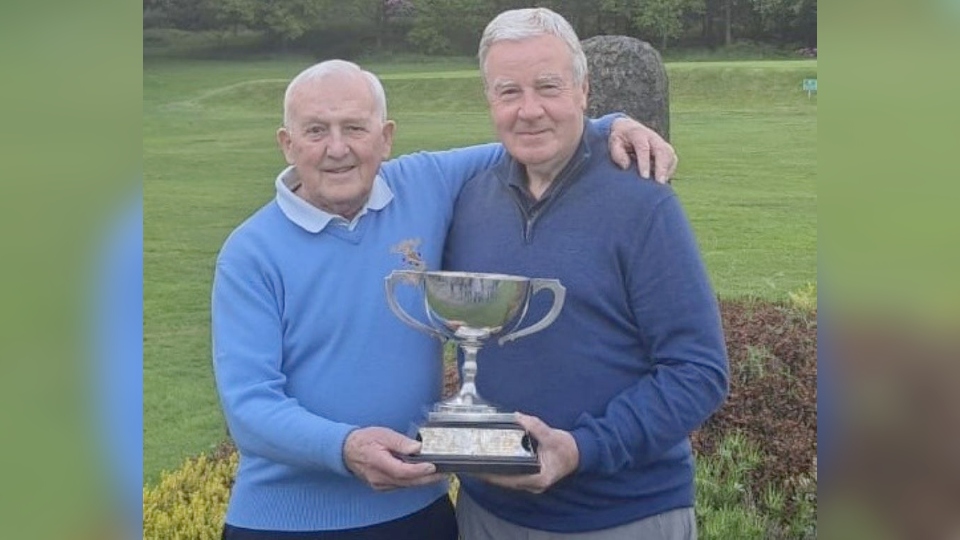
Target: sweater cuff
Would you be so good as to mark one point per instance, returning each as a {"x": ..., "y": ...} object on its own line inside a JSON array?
[
  {"x": 605, "y": 122},
  {"x": 331, "y": 455},
  {"x": 589, "y": 449}
]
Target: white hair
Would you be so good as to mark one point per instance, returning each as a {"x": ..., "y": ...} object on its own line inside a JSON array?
[
  {"x": 520, "y": 24},
  {"x": 332, "y": 67}
]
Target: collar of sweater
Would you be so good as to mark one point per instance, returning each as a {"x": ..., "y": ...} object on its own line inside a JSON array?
[{"x": 513, "y": 173}]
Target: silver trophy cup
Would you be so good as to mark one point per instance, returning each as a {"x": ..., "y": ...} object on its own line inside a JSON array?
[{"x": 465, "y": 433}]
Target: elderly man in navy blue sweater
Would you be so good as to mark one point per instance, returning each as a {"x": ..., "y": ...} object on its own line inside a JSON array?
[{"x": 636, "y": 359}]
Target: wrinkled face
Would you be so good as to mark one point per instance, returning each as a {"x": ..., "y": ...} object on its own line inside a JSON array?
[
  {"x": 336, "y": 140},
  {"x": 537, "y": 108}
]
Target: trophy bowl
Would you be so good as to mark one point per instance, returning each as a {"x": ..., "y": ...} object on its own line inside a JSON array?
[
  {"x": 465, "y": 433},
  {"x": 472, "y": 303}
]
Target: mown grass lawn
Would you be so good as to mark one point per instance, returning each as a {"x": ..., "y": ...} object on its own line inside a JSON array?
[{"x": 745, "y": 132}]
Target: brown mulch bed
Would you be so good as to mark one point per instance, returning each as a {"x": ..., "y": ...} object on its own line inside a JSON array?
[{"x": 773, "y": 388}]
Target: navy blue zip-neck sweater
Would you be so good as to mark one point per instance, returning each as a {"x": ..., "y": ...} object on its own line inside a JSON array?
[{"x": 635, "y": 361}]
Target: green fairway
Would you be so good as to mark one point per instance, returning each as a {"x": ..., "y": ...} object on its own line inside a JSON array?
[{"x": 745, "y": 132}]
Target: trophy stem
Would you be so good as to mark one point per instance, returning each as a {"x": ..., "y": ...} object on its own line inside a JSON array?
[
  {"x": 468, "y": 388},
  {"x": 468, "y": 403}
]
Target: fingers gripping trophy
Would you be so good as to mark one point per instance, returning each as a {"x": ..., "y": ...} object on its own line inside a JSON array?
[{"x": 465, "y": 433}]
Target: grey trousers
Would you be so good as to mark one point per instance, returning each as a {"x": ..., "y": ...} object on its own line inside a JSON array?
[{"x": 475, "y": 523}]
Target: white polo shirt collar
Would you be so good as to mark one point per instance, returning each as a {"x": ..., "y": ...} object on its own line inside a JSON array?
[{"x": 313, "y": 219}]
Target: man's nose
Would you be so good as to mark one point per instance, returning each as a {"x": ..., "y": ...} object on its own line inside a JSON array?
[
  {"x": 531, "y": 106},
  {"x": 337, "y": 146}
]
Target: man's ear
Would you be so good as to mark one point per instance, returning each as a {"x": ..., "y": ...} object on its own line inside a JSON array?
[
  {"x": 388, "y": 128},
  {"x": 586, "y": 92},
  {"x": 286, "y": 144}
]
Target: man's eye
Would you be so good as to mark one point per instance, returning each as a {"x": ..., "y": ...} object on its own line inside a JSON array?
[
  {"x": 315, "y": 130},
  {"x": 355, "y": 129}
]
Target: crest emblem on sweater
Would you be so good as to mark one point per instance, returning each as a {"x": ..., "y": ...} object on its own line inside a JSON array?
[{"x": 408, "y": 249}]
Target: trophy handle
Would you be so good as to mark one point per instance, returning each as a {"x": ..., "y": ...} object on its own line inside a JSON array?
[
  {"x": 415, "y": 279},
  {"x": 559, "y": 293}
]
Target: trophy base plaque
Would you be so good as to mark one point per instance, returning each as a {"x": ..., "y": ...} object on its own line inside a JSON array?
[{"x": 479, "y": 447}]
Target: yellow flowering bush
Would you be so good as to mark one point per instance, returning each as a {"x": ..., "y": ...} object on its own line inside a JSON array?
[
  {"x": 454, "y": 488},
  {"x": 190, "y": 503}
]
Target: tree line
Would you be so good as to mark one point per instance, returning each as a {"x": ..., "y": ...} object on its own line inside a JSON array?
[{"x": 453, "y": 27}]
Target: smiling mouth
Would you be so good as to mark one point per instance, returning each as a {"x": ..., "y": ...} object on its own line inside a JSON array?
[{"x": 339, "y": 170}]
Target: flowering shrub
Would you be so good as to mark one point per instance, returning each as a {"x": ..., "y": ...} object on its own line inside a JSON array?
[{"x": 191, "y": 502}]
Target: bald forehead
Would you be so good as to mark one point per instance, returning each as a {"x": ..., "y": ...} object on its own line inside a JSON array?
[
  {"x": 331, "y": 92},
  {"x": 335, "y": 88},
  {"x": 355, "y": 80}
]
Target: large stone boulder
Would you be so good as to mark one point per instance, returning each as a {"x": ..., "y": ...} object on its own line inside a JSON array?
[{"x": 627, "y": 75}]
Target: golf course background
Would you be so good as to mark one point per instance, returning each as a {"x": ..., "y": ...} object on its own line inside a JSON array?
[{"x": 746, "y": 134}]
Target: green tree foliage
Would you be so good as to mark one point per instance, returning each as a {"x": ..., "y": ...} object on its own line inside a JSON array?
[
  {"x": 661, "y": 18},
  {"x": 183, "y": 14},
  {"x": 237, "y": 13},
  {"x": 287, "y": 20},
  {"x": 785, "y": 20},
  {"x": 455, "y": 26},
  {"x": 450, "y": 26}
]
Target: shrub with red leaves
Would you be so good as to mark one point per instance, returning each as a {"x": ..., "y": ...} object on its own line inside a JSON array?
[{"x": 773, "y": 389}]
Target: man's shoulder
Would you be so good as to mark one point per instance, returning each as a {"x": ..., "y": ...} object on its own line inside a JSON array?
[
  {"x": 621, "y": 182},
  {"x": 626, "y": 185},
  {"x": 484, "y": 180},
  {"x": 257, "y": 229},
  {"x": 498, "y": 172}
]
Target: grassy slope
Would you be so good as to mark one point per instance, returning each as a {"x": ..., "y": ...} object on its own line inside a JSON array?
[{"x": 745, "y": 132}]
